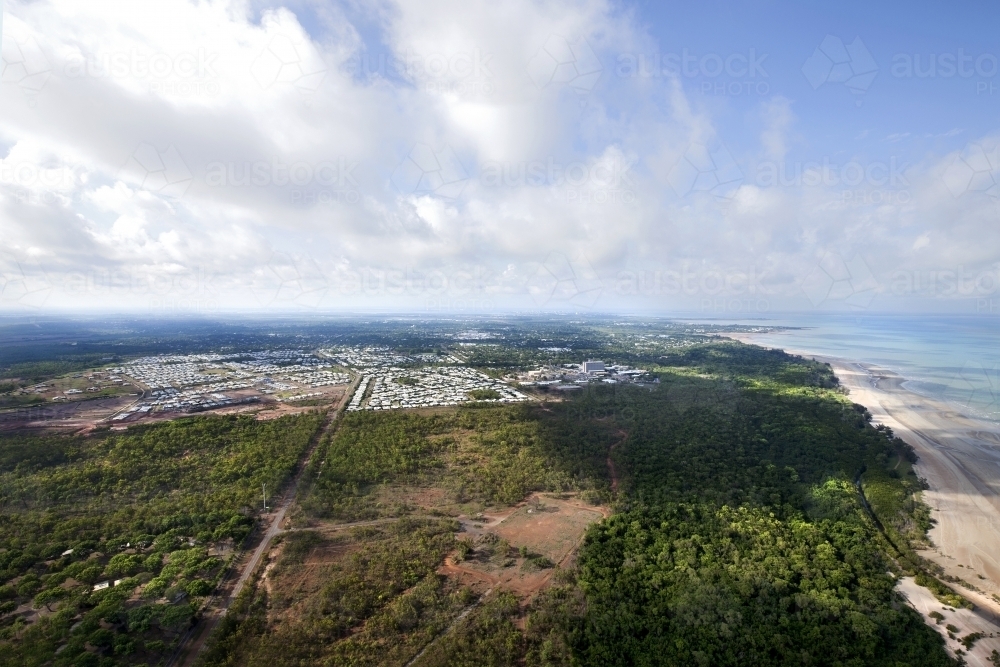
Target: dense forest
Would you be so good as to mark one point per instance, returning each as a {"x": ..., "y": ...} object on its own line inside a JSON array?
[
  {"x": 153, "y": 510},
  {"x": 739, "y": 535},
  {"x": 481, "y": 454},
  {"x": 758, "y": 517}
]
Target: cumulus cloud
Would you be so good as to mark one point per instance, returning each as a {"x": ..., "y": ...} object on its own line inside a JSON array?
[{"x": 479, "y": 155}]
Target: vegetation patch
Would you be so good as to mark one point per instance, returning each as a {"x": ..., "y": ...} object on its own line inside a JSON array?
[
  {"x": 492, "y": 456},
  {"x": 759, "y": 518},
  {"x": 377, "y": 601},
  {"x": 105, "y": 541},
  {"x": 484, "y": 394}
]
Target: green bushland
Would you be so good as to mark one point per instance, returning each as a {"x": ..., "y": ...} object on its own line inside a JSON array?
[
  {"x": 740, "y": 536},
  {"x": 486, "y": 638},
  {"x": 377, "y": 604},
  {"x": 141, "y": 507},
  {"x": 493, "y": 455},
  {"x": 484, "y": 394}
]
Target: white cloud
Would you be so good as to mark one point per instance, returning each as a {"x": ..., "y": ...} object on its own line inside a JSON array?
[
  {"x": 778, "y": 118},
  {"x": 257, "y": 139}
]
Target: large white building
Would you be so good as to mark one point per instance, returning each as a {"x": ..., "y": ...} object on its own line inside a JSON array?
[{"x": 593, "y": 366}]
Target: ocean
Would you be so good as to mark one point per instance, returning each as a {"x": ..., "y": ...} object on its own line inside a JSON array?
[{"x": 950, "y": 358}]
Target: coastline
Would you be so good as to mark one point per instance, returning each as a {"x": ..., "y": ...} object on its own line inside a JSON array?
[{"x": 959, "y": 456}]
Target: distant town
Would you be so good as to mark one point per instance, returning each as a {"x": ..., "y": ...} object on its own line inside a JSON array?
[
  {"x": 373, "y": 378},
  {"x": 569, "y": 377}
]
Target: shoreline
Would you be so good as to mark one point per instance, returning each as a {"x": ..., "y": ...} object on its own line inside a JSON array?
[{"x": 959, "y": 456}]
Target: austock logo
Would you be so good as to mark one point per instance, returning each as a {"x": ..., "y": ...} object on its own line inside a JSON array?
[
  {"x": 835, "y": 279},
  {"x": 23, "y": 283},
  {"x": 976, "y": 386},
  {"x": 161, "y": 172},
  {"x": 599, "y": 181},
  {"x": 24, "y": 62},
  {"x": 425, "y": 171},
  {"x": 325, "y": 182},
  {"x": 460, "y": 73},
  {"x": 730, "y": 74},
  {"x": 297, "y": 281},
  {"x": 287, "y": 62},
  {"x": 561, "y": 280},
  {"x": 570, "y": 63},
  {"x": 837, "y": 63},
  {"x": 976, "y": 169},
  {"x": 706, "y": 169}
]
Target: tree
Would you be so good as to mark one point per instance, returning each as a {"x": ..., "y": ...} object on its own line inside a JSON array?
[{"x": 48, "y": 596}]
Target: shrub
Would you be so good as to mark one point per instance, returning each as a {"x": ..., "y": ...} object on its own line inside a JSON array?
[
  {"x": 123, "y": 645},
  {"x": 124, "y": 564},
  {"x": 155, "y": 646},
  {"x": 101, "y": 638},
  {"x": 199, "y": 587},
  {"x": 464, "y": 548}
]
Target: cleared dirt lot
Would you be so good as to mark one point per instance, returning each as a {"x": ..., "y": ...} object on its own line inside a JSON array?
[
  {"x": 521, "y": 548},
  {"x": 71, "y": 415},
  {"x": 517, "y": 548},
  {"x": 86, "y": 415},
  {"x": 552, "y": 527}
]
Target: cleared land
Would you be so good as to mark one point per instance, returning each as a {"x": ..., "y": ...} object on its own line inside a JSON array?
[
  {"x": 312, "y": 573},
  {"x": 521, "y": 547},
  {"x": 382, "y": 562}
]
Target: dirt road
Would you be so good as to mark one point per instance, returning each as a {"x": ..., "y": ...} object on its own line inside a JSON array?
[{"x": 194, "y": 644}]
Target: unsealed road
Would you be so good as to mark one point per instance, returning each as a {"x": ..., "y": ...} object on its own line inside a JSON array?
[{"x": 194, "y": 643}]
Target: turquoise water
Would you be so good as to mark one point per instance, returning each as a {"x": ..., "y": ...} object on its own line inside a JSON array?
[{"x": 956, "y": 359}]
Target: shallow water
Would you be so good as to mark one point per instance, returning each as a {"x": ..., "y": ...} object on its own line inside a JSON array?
[{"x": 956, "y": 359}]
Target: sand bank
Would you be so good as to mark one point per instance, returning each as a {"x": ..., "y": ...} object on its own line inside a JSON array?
[
  {"x": 966, "y": 621},
  {"x": 960, "y": 459}
]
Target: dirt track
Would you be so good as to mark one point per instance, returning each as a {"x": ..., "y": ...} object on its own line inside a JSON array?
[
  {"x": 611, "y": 462},
  {"x": 189, "y": 651}
]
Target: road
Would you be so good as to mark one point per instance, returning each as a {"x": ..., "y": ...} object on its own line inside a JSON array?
[{"x": 193, "y": 644}]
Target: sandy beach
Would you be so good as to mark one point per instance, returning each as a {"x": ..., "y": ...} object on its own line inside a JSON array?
[{"x": 960, "y": 459}]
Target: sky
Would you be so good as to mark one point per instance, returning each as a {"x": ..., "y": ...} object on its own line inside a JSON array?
[{"x": 725, "y": 159}]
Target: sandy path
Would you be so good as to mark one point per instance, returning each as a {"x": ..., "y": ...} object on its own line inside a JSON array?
[{"x": 966, "y": 621}]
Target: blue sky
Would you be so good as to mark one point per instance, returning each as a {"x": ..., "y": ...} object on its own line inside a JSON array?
[
  {"x": 903, "y": 115},
  {"x": 442, "y": 156}
]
